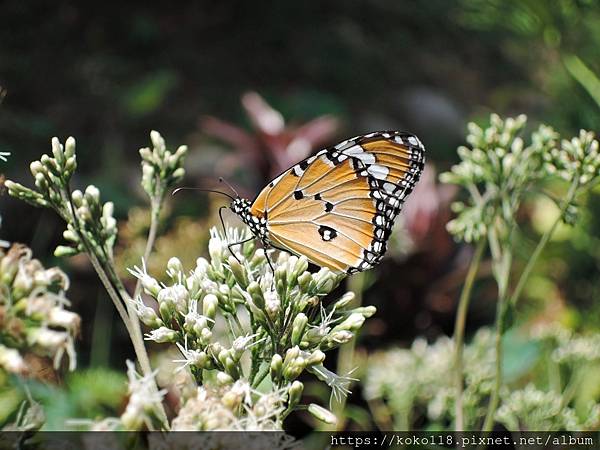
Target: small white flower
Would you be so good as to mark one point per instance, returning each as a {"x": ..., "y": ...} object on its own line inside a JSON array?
[
  {"x": 150, "y": 285},
  {"x": 176, "y": 296},
  {"x": 146, "y": 314},
  {"x": 191, "y": 357},
  {"x": 60, "y": 317},
  {"x": 144, "y": 399},
  {"x": 339, "y": 384},
  {"x": 11, "y": 360},
  {"x": 162, "y": 334}
]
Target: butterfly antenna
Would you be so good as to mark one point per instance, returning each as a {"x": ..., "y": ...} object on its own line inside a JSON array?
[
  {"x": 175, "y": 191},
  {"x": 223, "y": 180}
]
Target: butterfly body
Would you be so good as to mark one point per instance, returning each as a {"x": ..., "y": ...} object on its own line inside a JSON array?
[{"x": 337, "y": 207}]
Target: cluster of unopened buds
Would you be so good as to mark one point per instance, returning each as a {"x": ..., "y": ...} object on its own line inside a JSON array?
[
  {"x": 161, "y": 169},
  {"x": 576, "y": 158},
  {"x": 234, "y": 317},
  {"x": 33, "y": 314},
  {"x": 500, "y": 168}
]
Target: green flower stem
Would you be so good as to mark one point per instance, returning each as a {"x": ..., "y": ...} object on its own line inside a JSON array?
[
  {"x": 117, "y": 301},
  {"x": 502, "y": 263},
  {"x": 346, "y": 353},
  {"x": 542, "y": 243},
  {"x": 119, "y": 296},
  {"x": 459, "y": 331},
  {"x": 156, "y": 207},
  {"x": 495, "y": 397}
]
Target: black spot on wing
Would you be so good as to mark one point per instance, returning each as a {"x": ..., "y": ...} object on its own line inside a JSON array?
[{"x": 327, "y": 233}]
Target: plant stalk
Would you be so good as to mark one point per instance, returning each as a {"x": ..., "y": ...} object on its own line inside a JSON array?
[
  {"x": 502, "y": 259},
  {"x": 542, "y": 243},
  {"x": 459, "y": 331}
]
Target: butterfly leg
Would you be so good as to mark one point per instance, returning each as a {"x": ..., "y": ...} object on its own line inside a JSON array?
[
  {"x": 225, "y": 234},
  {"x": 238, "y": 243},
  {"x": 270, "y": 263}
]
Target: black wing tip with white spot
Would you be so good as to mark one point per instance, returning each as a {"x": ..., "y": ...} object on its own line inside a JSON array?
[{"x": 389, "y": 197}]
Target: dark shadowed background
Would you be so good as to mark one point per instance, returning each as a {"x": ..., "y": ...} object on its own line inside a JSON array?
[{"x": 204, "y": 74}]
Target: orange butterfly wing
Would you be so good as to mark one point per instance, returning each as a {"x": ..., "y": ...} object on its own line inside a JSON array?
[{"x": 337, "y": 208}]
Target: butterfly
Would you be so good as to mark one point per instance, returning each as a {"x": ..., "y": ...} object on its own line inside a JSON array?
[{"x": 337, "y": 207}]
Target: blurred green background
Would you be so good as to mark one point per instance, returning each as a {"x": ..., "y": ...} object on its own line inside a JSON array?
[{"x": 109, "y": 74}]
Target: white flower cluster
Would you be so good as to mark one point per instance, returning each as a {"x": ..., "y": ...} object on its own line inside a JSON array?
[
  {"x": 420, "y": 378},
  {"x": 235, "y": 320},
  {"x": 531, "y": 409},
  {"x": 568, "y": 348},
  {"x": 33, "y": 314}
]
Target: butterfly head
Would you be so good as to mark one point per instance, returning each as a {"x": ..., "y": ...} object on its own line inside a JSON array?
[{"x": 258, "y": 225}]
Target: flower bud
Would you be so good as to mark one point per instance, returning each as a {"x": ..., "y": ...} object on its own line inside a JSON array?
[
  {"x": 92, "y": 195},
  {"x": 326, "y": 281},
  {"x": 157, "y": 142},
  {"x": 215, "y": 250},
  {"x": 352, "y": 323},
  {"x": 304, "y": 281},
  {"x": 175, "y": 269},
  {"x": 36, "y": 168},
  {"x": 70, "y": 147},
  {"x": 276, "y": 366},
  {"x": 57, "y": 151},
  {"x": 146, "y": 154},
  {"x": 290, "y": 355},
  {"x": 151, "y": 285},
  {"x": 231, "y": 367},
  {"x": 256, "y": 294},
  {"x": 162, "y": 335},
  {"x": 147, "y": 315},
  {"x": 294, "y": 369},
  {"x": 298, "y": 327},
  {"x": 324, "y": 415},
  {"x": 336, "y": 338},
  {"x": 296, "y": 267},
  {"x": 178, "y": 174},
  {"x": 205, "y": 336},
  {"x": 272, "y": 304},
  {"x": 239, "y": 272},
  {"x": 295, "y": 394},
  {"x": 316, "y": 357},
  {"x": 176, "y": 296},
  {"x": 77, "y": 198},
  {"x": 344, "y": 301},
  {"x": 258, "y": 258},
  {"x": 281, "y": 273},
  {"x": 40, "y": 182},
  {"x": 62, "y": 251},
  {"x": 223, "y": 379},
  {"x": 209, "y": 306},
  {"x": 70, "y": 165},
  {"x": 365, "y": 311}
]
